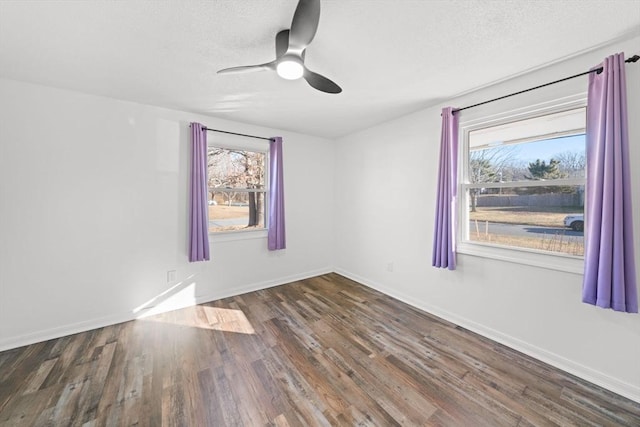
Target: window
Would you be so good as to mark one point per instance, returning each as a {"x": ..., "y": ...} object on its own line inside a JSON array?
[
  {"x": 523, "y": 185},
  {"x": 237, "y": 183}
]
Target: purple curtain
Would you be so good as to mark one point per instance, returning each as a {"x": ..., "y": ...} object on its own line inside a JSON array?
[
  {"x": 198, "y": 209},
  {"x": 444, "y": 252},
  {"x": 276, "y": 237},
  {"x": 609, "y": 273}
]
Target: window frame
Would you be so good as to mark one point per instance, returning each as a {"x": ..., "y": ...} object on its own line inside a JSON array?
[
  {"x": 533, "y": 257},
  {"x": 226, "y": 142}
]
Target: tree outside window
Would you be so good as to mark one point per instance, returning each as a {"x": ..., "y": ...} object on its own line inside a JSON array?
[{"x": 237, "y": 189}]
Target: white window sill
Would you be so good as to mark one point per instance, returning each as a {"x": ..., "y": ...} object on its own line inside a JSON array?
[
  {"x": 229, "y": 236},
  {"x": 559, "y": 262}
]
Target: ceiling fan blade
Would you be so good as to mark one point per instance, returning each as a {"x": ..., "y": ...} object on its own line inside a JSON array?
[
  {"x": 247, "y": 68},
  {"x": 321, "y": 83},
  {"x": 304, "y": 24},
  {"x": 282, "y": 43}
]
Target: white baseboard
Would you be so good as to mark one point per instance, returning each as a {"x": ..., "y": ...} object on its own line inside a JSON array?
[
  {"x": 201, "y": 299},
  {"x": 615, "y": 385},
  {"x": 63, "y": 331},
  {"x": 100, "y": 322}
]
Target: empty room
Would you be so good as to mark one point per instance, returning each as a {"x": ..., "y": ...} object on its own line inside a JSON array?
[{"x": 319, "y": 213}]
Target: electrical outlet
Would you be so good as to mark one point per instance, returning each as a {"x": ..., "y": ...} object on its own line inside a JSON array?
[
  {"x": 171, "y": 276},
  {"x": 390, "y": 266}
]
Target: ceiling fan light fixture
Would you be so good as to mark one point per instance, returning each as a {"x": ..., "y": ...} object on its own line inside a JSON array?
[
  {"x": 291, "y": 46},
  {"x": 290, "y": 68}
]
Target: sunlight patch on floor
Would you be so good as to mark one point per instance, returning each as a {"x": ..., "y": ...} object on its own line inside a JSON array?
[
  {"x": 228, "y": 320},
  {"x": 205, "y": 317}
]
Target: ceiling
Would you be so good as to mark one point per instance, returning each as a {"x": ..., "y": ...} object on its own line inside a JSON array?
[{"x": 391, "y": 57}]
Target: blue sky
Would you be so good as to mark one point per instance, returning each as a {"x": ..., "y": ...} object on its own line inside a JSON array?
[{"x": 545, "y": 150}]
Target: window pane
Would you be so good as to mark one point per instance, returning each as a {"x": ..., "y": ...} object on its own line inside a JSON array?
[
  {"x": 234, "y": 175},
  {"x": 230, "y": 211},
  {"x": 229, "y": 168},
  {"x": 541, "y": 160},
  {"x": 541, "y": 148},
  {"x": 549, "y": 218}
]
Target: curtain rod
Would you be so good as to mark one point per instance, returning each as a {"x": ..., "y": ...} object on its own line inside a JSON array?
[
  {"x": 239, "y": 134},
  {"x": 598, "y": 70}
]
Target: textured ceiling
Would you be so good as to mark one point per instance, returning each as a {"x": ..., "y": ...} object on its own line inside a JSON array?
[{"x": 391, "y": 57}]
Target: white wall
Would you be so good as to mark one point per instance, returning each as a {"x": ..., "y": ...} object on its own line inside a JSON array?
[
  {"x": 93, "y": 214},
  {"x": 385, "y": 192}
]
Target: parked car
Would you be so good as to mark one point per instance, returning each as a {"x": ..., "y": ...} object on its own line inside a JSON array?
[{"x": 575, "y": 222}]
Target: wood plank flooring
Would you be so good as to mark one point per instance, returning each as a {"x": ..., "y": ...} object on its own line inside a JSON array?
[{"x": 320, "y": 352}]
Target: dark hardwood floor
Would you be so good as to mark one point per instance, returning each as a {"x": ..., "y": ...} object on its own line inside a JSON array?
[{"x": 323, "y": 351}]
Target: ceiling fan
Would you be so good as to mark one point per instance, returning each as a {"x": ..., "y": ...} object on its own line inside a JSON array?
[{"x": 290, "y": 50}]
